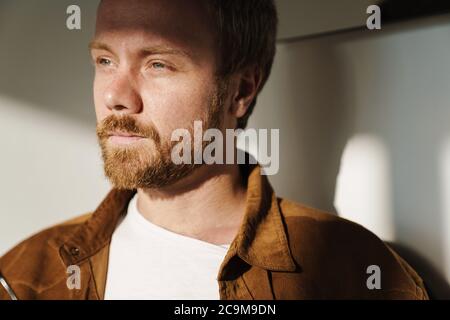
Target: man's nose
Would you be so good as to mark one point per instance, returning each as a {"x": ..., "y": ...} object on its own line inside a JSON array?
[{"x": 121, "y": 96}]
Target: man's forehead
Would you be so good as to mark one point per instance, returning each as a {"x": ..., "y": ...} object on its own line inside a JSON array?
[{"x": 175, "y": 20}]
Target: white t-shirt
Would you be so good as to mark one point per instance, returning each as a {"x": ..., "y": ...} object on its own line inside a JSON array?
[{"x": 148, "y": 262}]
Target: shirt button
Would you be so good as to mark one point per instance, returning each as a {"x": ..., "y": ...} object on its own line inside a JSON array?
[{"x": 74, "y": 251}]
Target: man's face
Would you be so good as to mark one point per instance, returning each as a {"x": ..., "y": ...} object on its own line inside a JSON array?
[{"x": 155, "y": 71}]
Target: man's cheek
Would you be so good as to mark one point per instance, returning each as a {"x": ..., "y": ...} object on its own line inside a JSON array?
[
  {"x": 168, "y": 110},
  {"x": 100, "y": 112},
  {"x": 101, "y": 108}
]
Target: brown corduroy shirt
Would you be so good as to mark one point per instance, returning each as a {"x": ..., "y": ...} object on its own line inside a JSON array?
[{"x": 283, "y": 250}]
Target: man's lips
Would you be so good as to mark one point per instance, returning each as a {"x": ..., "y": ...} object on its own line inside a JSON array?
[
  {"x": 124, "y": 137},
  {"x": 124, "y": 134}
]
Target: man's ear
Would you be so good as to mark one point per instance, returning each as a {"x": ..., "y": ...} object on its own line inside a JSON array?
[{"x": 247, "y": 84}]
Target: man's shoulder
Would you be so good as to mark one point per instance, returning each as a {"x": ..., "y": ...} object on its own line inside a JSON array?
[
  {"x": 338, "y": 251},
  {"x": 309, "y": 222},
  {"x": 326, "y": 231},
  {"x": 50, "y": 235},
  {"x": 28, "y": 262}
]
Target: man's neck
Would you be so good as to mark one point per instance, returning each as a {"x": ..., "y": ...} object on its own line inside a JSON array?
[{"x": 208, "y": 205}]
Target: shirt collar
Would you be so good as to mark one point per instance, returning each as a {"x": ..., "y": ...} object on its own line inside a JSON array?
[{"x": 261, "y": 240}]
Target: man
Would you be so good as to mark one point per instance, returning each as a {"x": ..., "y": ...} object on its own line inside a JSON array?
[{"x": 193, "y": 230}]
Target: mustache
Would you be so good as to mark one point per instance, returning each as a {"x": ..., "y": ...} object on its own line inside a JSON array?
[{"x": 126, "y": 124}]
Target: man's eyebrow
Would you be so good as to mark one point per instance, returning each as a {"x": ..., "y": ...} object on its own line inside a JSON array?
[
  {"x": 99, "y": 45},
  {"x": 164, "y": 50},
  {"x": 145, "y": 51}
]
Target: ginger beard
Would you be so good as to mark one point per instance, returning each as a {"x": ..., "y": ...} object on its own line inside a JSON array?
[{"x": 148, "y": 163}]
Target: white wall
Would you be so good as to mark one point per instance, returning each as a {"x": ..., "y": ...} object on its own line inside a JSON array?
[
  {"x": 363, "y": 121},
  {"x": 50, "y": 166}
]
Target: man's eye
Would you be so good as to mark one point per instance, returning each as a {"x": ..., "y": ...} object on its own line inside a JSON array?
[
  {"x": 104, "y": 62},
  {"x": 158, "y": 65}
]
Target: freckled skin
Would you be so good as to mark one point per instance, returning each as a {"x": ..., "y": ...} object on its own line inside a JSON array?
[{"x": 170, "y": 91}]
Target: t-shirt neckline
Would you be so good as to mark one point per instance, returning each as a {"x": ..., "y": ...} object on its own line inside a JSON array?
[{"x": 146, "y": 226}]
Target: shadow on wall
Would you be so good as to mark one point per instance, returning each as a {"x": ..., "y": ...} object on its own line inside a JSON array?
[
  {"x": 44, "y": 63},
  {"x": 308, "y": 97},
  {"x": 436, "y": 284}
]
